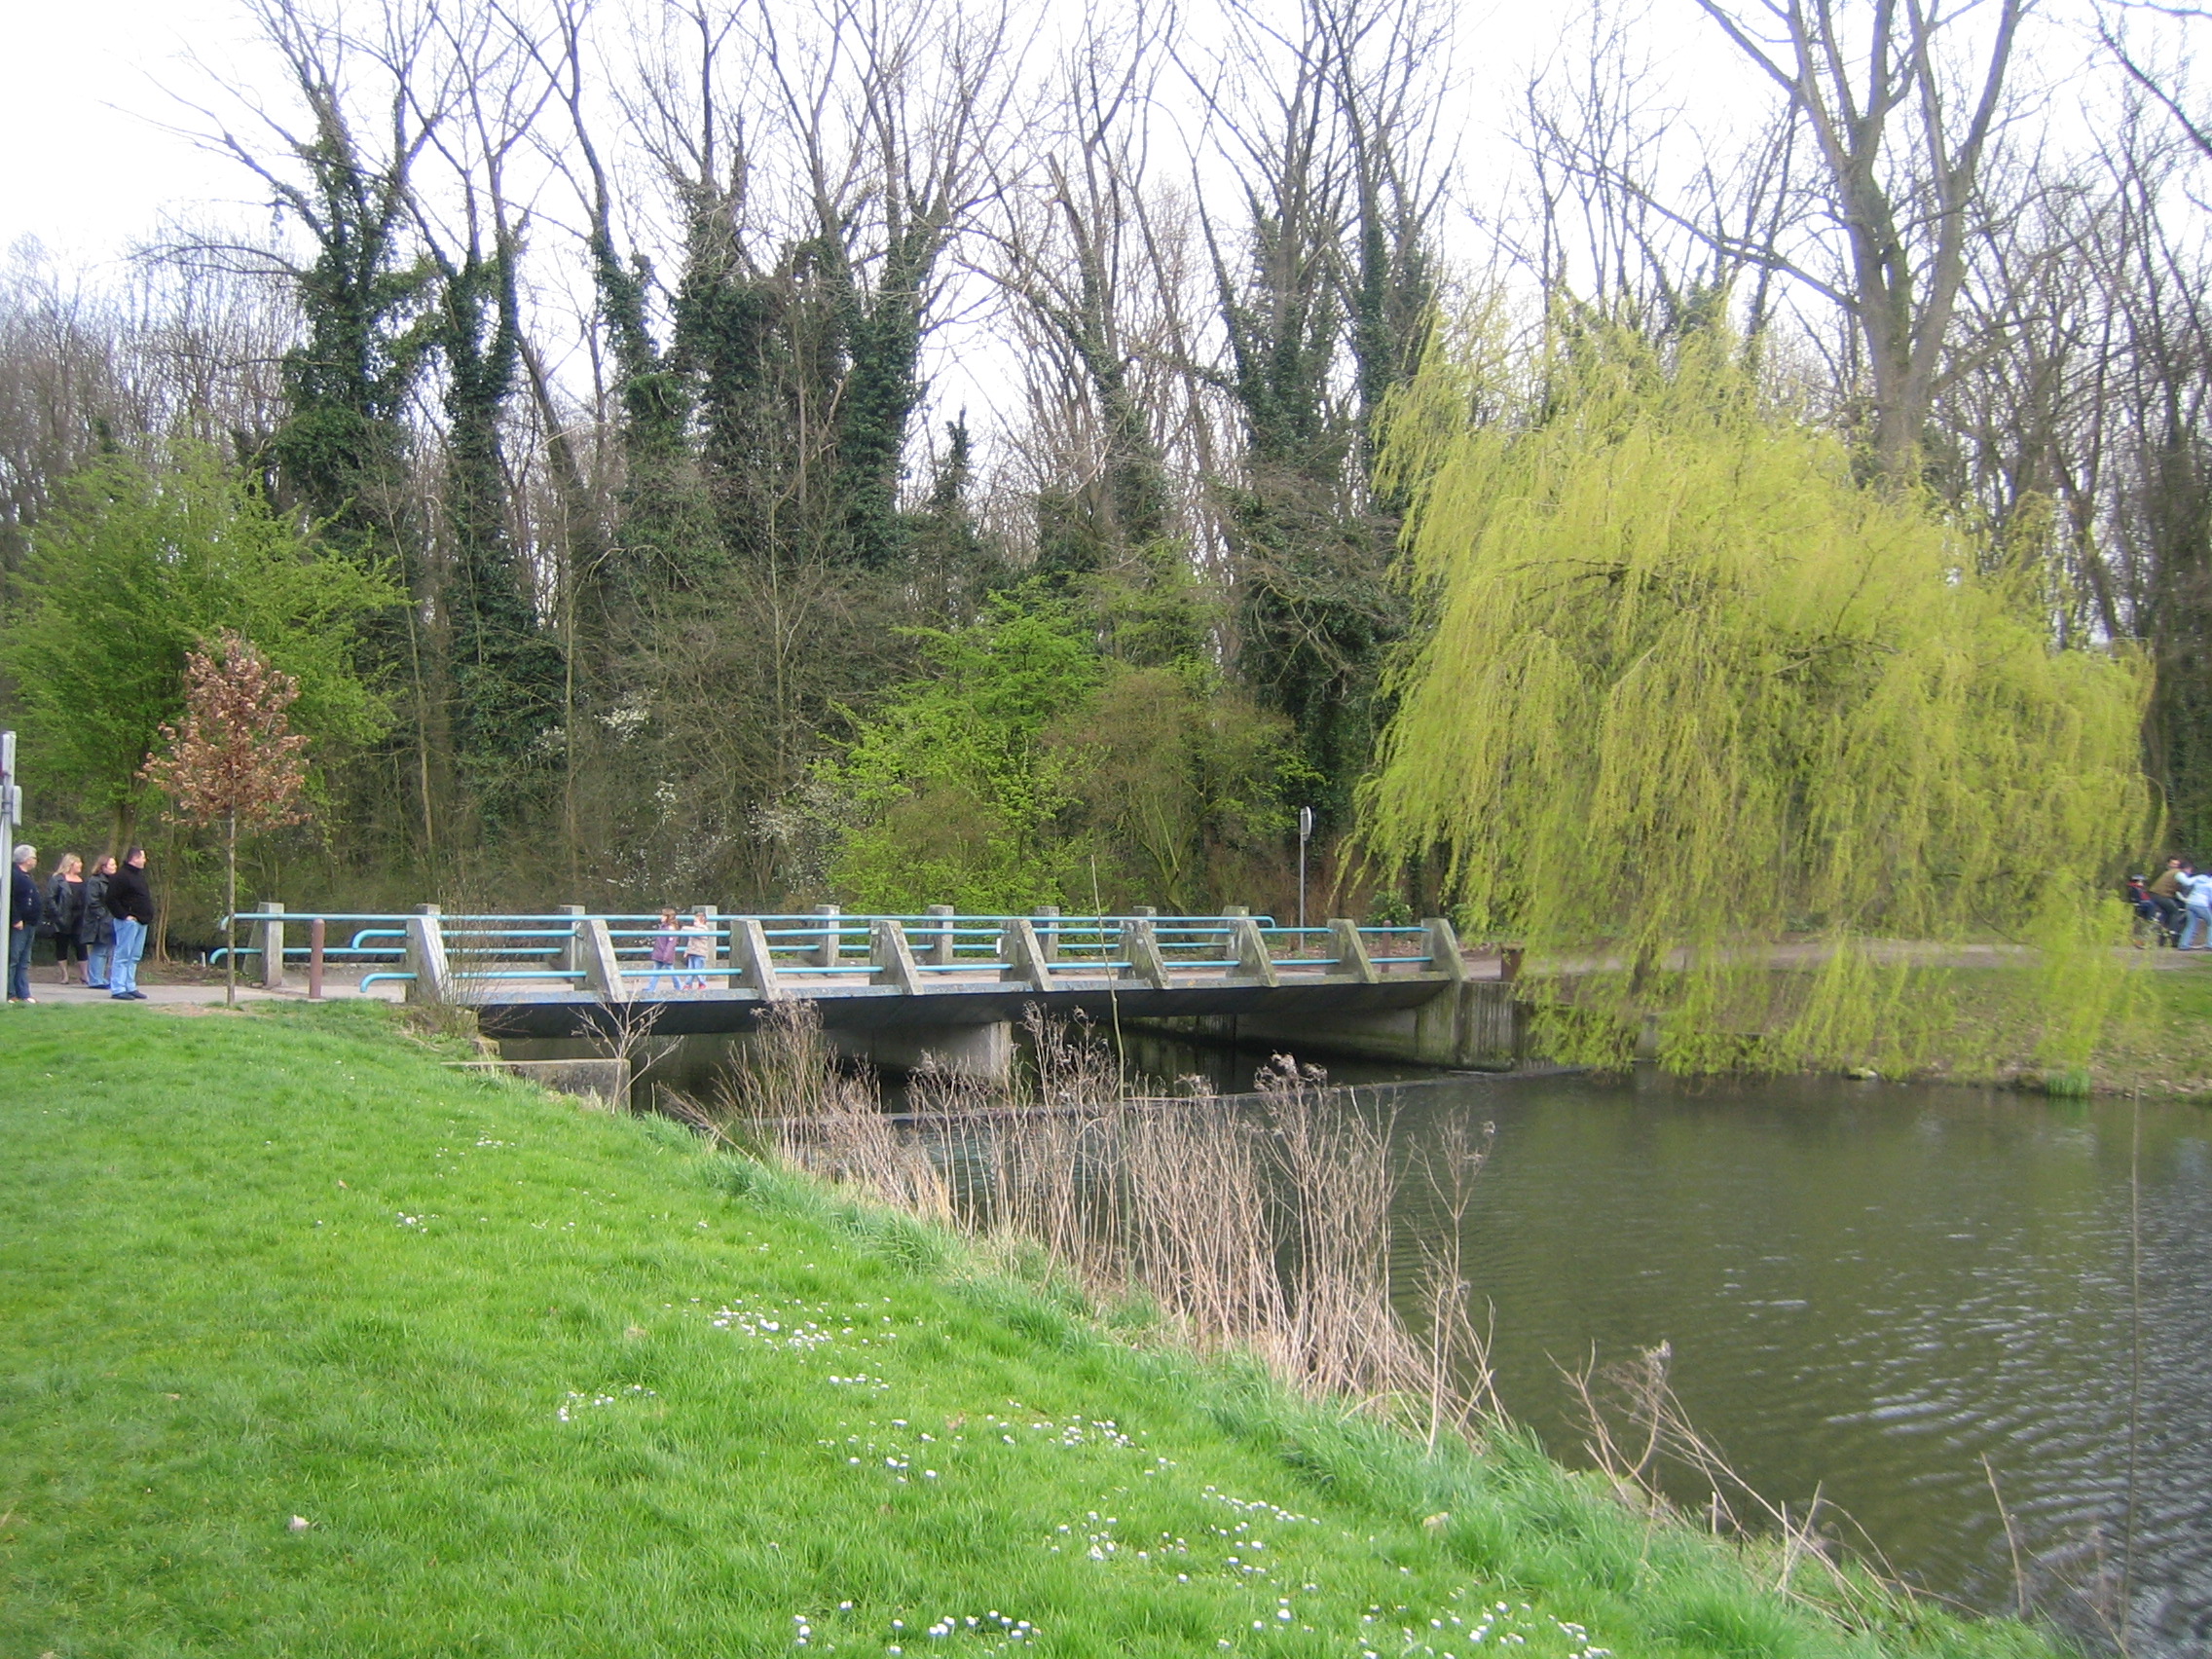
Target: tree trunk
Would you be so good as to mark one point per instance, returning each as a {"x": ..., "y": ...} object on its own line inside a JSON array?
[{"x": 230, "y": 910}]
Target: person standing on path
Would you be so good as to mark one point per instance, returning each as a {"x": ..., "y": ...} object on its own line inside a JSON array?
[
  {"x": 26, "y": 909},
  {"x": 2196, "y": 897},
  {"x": 130, "y": 901},
  {"x": 65, "y": 913},
  {"x": 96, "y": 928}
]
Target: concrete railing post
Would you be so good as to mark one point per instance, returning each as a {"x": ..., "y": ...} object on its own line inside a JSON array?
[
  {"x": 751, "y": 965},
  {"x": 1443, "y": 941},
  {"x": 570, "y": 959},
  {"x": 892, "y": 956},
  {"x": 1140, "y": 946},
  {"x": 1025, "y": 959},
  {"x": 1353, "y": 961},
  {"x": 1253, "y": 963},
  {"x": 602, "y": 968},
  {"x": 826, "y": 954},
  {"x": 427, "y": 956},
  {"x": 270, "y": 938},
  {"x": 726, "y": 933},
  {"x": 1047, "y": 920},
  {"x": 941, "y": 936}
]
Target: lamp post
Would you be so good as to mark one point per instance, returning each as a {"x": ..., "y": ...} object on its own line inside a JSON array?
[
  {"x": 10, "y": 812},
  {"x": 1304, "y": 834}
]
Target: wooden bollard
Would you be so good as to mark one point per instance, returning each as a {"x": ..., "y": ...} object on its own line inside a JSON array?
[{"x": 316, "y": 932}]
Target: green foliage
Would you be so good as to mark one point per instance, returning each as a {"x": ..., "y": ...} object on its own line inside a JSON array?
[
  {"x": 1690, "y": 690},
  {"x": 1029, "y": 768},
  {"x": 1187, "y": 788},
  {"x": 954, "y": 789},
  {"x": 1318, "y": 615},
  {"x": 138, "y": 564}
]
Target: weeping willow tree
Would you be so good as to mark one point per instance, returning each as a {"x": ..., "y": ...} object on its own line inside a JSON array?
[{"x": 1755, "y": 747}]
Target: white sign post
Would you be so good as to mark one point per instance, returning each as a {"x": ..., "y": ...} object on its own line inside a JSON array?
[
  {"x": 1304, "y": 834},
  {"x": 11, "y": 814}
]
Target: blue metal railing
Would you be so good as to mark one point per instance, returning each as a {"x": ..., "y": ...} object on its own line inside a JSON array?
[{"x": 521, "y": 947}]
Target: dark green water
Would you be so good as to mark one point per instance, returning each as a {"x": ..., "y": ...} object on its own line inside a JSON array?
[{"x": 1868, "y": 1287}]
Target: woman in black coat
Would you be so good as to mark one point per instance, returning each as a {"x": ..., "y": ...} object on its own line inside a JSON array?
[
  {"x": 65, "y": 912},
  {"x": 96, "y": 927}
]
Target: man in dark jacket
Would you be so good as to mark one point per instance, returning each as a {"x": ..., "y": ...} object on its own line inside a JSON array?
[
  {"x": 26, "y": 909},
  {"x": 131, "y": 902}
]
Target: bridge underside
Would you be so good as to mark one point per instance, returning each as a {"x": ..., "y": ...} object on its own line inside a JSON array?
[
  {"x": 1423, "y": 1021},
  {"x": 872, "y": 1008}
]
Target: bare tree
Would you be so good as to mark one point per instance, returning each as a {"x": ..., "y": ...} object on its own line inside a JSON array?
[{"x": 1900, "y": 161}]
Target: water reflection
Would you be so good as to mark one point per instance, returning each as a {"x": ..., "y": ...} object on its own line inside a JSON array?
[{"x": 1869, "y": 1287}]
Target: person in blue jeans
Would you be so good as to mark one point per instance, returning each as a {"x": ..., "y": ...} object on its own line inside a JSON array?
[
  {"x": 2196, "y": 896},
  {"x": 26, "y": 908},
  {"x": 130, "y": 901}
]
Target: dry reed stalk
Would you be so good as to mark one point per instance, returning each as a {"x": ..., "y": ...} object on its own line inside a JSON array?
[
  {"x": 816, "y": 1116},
  {"x": 1345, "y": 1333},
  {"x": 1257, "y": 1229},
  {"x": 1635, "y": 1423},
  {"x": 1462, "y": 1385},
  {"x": 1201, "y": 1227}
]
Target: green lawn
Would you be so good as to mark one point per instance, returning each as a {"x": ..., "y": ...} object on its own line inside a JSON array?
[{"x": 543, "y": 1382}]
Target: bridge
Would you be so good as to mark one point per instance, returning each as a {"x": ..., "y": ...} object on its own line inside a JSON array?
[{"x": 938, "y": 985}]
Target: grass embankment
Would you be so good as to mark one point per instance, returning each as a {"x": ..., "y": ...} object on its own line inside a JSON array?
[
  {"x": 2159, "y": 1041},
  {"x": 541, "y": 1381}
]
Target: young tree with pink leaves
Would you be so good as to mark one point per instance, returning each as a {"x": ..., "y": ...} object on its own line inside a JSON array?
[{"x": 234, "y": 762}]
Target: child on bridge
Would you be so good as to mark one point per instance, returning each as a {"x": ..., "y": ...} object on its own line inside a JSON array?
[
  {"x": 698, "y": 938},
  {"x": 664, "y": 954}
]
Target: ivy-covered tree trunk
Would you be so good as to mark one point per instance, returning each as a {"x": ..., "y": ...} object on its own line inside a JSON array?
[
  {"x": 506, "y": 669},
  {"x": 342, "y": 450}
]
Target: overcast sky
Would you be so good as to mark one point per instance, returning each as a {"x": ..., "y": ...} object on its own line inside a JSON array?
[
  {"x": 87, "y": 167},
  {"x": 85, "y": 110},
  {"x": 94, "y": 162}
]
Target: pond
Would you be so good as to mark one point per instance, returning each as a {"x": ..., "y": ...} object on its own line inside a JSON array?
[{"x": 1868, "y": 1288}]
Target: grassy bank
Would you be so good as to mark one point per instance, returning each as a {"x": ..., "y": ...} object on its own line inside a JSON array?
[
  {"x": 2159, "y": 1041},
  {"x": 538, "y": 1382}
]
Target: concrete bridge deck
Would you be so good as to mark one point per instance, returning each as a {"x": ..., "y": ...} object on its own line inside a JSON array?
[{"x": 934, "y": 986}]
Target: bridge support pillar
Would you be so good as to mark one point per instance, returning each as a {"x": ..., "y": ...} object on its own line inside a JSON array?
[{"x": 982, "y": 1051}]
